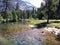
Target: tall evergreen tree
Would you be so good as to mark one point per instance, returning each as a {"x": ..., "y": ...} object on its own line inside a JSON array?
[
  {"x": 6, "y": 5},
  {"x": 58, "y": 9},
  {"x": 17, "y": 6},
  {"x": 50, "y": 8}
]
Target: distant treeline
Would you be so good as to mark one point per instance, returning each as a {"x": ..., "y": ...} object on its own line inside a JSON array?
[{"x": 51, "y": 10}]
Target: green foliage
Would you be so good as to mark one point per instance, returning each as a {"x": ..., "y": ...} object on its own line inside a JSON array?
[
  {"x": 53, "y": 23},
  {"x": 10, "y": 16},
  {"x": 1, "y": 18},
  {"x": 14, "y": 15},
  {"x": 49, "y": 10},
  {"x": 18, "y": 13}
]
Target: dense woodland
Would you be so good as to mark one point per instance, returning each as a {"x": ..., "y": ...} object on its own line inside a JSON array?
[{"x": 51, "y": 10}]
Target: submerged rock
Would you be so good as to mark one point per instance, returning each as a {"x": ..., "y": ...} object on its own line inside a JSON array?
[
  {"x": 29, "y": 38},
  {"x": 53, "y": 30}
]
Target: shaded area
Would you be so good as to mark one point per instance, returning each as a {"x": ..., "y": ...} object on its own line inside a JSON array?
[
  {"x": 41, "y": 25},
  {"x": 58, "y": 37},
  {"x": 44, "y": 24},
  {"x": 55, "y": 21}
]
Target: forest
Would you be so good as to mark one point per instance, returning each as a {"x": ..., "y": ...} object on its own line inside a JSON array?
[{"x": 51, "y": 10}]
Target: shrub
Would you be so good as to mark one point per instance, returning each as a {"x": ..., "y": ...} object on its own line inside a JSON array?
[{"x": 1, "y": 18}]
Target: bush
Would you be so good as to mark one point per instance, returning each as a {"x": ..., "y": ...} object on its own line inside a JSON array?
[
  {"x": 1, "y": 18},
  {"x": 15, "y": 17}
]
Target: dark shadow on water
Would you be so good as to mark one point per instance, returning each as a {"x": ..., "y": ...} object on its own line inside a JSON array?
[
  {"x": 44, "y": 24},
  {"x": 41, "y": 25},
  {"x": 58, "y": 37}
]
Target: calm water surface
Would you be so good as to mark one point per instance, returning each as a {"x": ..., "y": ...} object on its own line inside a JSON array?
[{"x": 30, "y": 37}]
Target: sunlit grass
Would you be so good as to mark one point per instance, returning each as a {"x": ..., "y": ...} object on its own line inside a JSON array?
[
  {"x": 56, "y": 25},
  {"x": 36, "y": 21},
  {"x": 53, "y": 23}
]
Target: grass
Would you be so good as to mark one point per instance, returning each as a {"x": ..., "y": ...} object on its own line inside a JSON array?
[
  {"x": 33, "y": 22},
  {"x": 53, "y": 23},
  {"x": 56, "y": 25}
]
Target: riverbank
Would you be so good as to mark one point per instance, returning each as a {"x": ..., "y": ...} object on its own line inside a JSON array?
[{"x": 43, "y": 23}]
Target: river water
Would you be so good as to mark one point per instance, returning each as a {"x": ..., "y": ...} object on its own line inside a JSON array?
[{"x": 26, "y": 35}]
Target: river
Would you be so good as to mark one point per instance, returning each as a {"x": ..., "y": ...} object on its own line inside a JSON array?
[{"x": 23, "y": 35}]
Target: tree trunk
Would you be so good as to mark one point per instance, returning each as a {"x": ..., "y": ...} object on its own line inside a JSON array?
[
  {"x": 48, "y": 17},
  {"x": 47, "y": 20}
]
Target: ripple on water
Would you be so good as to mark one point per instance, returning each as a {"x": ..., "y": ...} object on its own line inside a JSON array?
[
  {"x": 28, "y": 39},
  {"x": 31, "y": 37}
]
